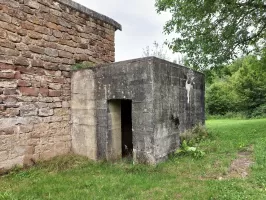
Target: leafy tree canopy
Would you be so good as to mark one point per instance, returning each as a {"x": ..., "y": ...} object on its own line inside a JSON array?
[
  {"x": 214, "y": 32},
  {"x": 238, "y": 87}
]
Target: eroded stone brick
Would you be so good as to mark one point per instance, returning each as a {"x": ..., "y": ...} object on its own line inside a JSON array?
[
  {"x": 21, "y": 61},
  {"x": 28, "y": 91},
  {"x": 36, "y": 49},
  {"x": 55, "y": 93},
  {"x": 28, "y": 110},
  {"x": 8, "y": 74},
  {"x": 44, "y": 112}
]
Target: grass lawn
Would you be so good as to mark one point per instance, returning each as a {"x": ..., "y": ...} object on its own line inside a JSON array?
[{"x": 180, "y": 177}]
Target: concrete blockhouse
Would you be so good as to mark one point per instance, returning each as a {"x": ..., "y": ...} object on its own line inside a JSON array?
[{"x": 138, "y": 106}]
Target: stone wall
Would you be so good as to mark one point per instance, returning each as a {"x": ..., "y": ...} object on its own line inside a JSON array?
[{"x": 39, "y": 42}]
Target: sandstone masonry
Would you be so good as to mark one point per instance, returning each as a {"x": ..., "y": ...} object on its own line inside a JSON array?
[{"x": 39, "y": 42}]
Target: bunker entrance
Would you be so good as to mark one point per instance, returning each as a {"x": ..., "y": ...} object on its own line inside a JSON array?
[
  {"x": 126, "y": 127},
  {"x": 120, "y": 114}
]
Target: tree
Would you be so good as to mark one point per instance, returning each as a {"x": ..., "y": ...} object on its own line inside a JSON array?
[
  {"x": 215, "y": 32},
  {"x": 161, "y": 51},
  {"x": 221, "y": 98},
  {"x": 238, "y": 87},
  {"x": 250, "y": 83},
  {"x": 158, "y": 51}
]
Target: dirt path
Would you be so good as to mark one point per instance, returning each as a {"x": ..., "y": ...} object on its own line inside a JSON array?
[{"x": 240, "y": 166}]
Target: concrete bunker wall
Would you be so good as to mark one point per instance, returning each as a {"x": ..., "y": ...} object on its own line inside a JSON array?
[
  {"x": 159, "y": 92},
  {"x": 129, "y": 80},
  {"x": 39, "y": 42},
  {"x": 178, "y": 104}
]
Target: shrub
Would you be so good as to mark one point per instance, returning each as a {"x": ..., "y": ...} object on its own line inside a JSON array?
[
  {"x": 259, "y": 112},
  {"x": 189, "y": 140},
  {"x": 221, "y": 98},
  {"x": 228, "y": 115},
  {"x": 185, "y": 149},
  {"x": 83, "y": 65},
  {"x": 194, "y": 135}
]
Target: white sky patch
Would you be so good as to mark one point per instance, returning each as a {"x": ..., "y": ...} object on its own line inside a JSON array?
[{"x": 140, "y": 23}]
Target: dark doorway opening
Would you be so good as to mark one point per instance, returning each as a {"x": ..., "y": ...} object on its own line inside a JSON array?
[{"x": 126, "y": 127}]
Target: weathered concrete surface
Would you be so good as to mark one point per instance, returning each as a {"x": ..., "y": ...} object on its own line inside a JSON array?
[
  {"x": 114, "y": 150},
  {"x": 83, "y": 114},
  {"x": 162, "y": 105},
  {"x": 178, "y": 104},
  {"x": 39, "y": 42}
]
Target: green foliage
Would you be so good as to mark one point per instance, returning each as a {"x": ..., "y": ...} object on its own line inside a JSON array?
[
  {"x": 187, "y": 150},
  {"x": 195, "y": 135},
  {"x": 83, "y": 65},
  {"x": 212, "y": 32},
  {"x": 221, "y": 98},
  {"x": 228, "y": 115},
  {"x": 260, "y": 111},
  {"x": 189, "y": 142},
  {"x": 239, "y": 88},
  {"x": 250, "y": 83}
]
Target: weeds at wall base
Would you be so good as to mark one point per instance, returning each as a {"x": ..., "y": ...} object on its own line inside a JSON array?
[{"x": 189, "y": 142}]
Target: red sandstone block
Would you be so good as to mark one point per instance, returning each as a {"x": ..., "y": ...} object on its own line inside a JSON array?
[
  {"x": 27, "y": 91},
  {"x": 44, "y": 92},
  {"x": 24, "y": 83},
  {"x": 6, "y": 66},
  {"x": 59, "y": 80},
  {"x": 23, "y": 69},
  {"x": 55, "y": 93},
  {"x": 27, "y": 25},
  {"x": 52, "y": 25},
  {"x": 17, "y": 75}
]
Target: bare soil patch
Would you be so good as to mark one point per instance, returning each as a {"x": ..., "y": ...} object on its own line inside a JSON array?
[{"x": 239, "y": 167}]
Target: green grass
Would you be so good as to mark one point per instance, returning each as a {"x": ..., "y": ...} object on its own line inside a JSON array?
[{"x": 180, "y": 177}]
